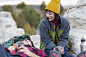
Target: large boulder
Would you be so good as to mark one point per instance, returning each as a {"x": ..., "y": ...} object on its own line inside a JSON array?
[
  {"x": 8, "y": 27},
  {"x": 77, "y": 18},
  {"x": 36, "y": 40},
  {"x": 75, "y": 39},
  {"x": 80, "y": 2}
]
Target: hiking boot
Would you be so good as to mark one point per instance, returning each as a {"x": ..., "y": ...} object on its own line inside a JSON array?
[{"x": 54, "y": 53}]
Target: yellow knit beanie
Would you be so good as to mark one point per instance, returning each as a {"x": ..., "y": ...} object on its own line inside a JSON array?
[{"x": 54, "y": 6}]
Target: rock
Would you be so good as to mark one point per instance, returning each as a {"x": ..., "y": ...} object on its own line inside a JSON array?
[
  {"x": 8, "y": 27},
  {"x": 75, "y": 39},
  {"x": 81, "y": 2},
  {"x": 36, "y": 40},
  {"x": 77, "y": 18}
]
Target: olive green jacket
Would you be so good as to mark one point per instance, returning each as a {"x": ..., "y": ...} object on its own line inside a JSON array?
[{"x": 47, "y": 33}]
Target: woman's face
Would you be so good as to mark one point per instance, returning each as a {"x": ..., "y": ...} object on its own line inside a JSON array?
[
  {"x": 50, "y": 15},
  {"x": 27, "y": 42}
]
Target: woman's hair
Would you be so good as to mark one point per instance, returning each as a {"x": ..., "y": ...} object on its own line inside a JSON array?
[
  {"x": 31, "y": 41},
  {"x": 56, "y": 15}
]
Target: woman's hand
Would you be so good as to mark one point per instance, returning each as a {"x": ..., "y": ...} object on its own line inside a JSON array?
[
  {"x": 60, "y": 49},
  {"x": 26, "y": 51},
  {"x": 23, "y": 49},
  {"x": 11, "y": 48}
]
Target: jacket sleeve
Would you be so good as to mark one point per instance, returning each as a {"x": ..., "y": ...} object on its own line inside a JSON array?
[
  {"x": 64, "y": 37},
  {"x": 45, "y": 37}
]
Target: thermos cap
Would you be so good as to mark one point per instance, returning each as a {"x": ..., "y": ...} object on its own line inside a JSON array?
[{"x": 83, "y": 39}]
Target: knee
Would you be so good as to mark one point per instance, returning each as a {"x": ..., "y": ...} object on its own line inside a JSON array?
[{"x": 67, "y": 54}]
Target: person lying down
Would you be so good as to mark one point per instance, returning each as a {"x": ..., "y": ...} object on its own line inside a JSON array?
[{"x": 22, "y": 46}]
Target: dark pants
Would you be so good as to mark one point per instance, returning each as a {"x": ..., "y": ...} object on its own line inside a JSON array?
[
  {"x": 4, "y": 53},
  {"x": 66, "y": 54}
]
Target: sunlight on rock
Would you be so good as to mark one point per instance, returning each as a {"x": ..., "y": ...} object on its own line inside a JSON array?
[
  {"x": 8, "y": 27},
  {"x": 77, "y": 18}
]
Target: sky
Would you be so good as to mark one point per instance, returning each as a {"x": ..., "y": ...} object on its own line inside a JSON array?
[{"x": 36, "y": 2}]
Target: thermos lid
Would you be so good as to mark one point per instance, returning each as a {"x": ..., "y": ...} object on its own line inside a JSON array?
[{"x": 83, "y": 39}]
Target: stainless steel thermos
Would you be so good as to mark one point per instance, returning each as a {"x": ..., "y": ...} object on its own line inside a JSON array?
[{"x": 83, "y": 44}]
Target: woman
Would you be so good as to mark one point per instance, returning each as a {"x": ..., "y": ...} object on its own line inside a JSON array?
[
  {"x": 21, "y": 51},
  {"x": 25, "y": 50},
  {"x": 54, "y": 30}
]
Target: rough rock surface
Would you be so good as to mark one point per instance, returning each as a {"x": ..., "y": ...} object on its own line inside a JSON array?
[
  {"x": 77, "y": 18},
  {"x": 8, "y": 27}
]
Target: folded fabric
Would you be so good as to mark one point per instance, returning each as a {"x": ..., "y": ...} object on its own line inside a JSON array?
[
  {"x": 82, "y": 54},
  {"x": 54, "y": 53}
]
